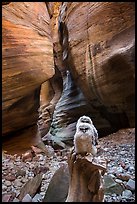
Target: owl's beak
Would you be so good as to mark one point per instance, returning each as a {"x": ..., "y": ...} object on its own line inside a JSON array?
[{"x": 84, "y": 130}]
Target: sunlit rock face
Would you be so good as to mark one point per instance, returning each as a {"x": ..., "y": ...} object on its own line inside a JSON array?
[
  {"x": 27, "y": 62},
  {"x": 97, "y": 39}
]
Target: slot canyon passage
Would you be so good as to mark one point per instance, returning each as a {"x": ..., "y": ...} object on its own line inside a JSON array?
[{"x": 60, "y": 61}]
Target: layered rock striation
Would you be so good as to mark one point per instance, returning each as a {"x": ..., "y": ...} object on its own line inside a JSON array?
[
  {"x": 27, "y": 62},
  {"x": 97, "y": 41},
  {"x": 72, "y": 59}
]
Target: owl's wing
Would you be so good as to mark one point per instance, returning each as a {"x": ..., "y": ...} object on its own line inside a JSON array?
[{"x": 95, "y": 136}]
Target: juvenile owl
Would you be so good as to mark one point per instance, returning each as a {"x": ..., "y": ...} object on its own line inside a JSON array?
[{"x": 86, "y": 136}]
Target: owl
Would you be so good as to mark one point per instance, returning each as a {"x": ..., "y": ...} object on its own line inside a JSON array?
[{"x": 86, "y": 136}]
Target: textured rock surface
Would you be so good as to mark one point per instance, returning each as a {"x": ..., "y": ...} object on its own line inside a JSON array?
[
  {"x": 98, "y": 45},
  {"x": 27, "y": 62},
  {"x": 58, "y": 188},
  {"x": 70, "y": 102},
  {"x": 49, "y": 95},
  {"x": 71, "y": 105},
  {"x": 52, "y": 89},
  {"x": 111, "y": 148}
]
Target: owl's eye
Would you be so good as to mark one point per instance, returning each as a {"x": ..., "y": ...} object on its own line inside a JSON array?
[
  {"x": 86, "y": 128},
  {"x": 85, "y": 121}
]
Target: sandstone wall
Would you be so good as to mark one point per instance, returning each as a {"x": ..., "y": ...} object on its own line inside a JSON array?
[
  {"x": 80, "y": 53},
  {"x": 64, "y": 103},
  {"x": 27, "y": 62},
  {"x": 98, "y": 45}
]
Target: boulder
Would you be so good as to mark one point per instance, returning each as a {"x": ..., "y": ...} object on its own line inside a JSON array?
[
  {"x": 58, "y": 187},
  {"x": 111, "y": 186}
]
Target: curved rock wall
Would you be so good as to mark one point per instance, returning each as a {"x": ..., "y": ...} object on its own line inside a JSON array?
[
  {"x": 27, "y": 62},
  {"x": 50, "y": 94},
  {"x": 98, "y": 44},
  {"x": 69, "y": 102},
  {"x": 52, "y": 89},
  {"x": 91, "y": 45},
  {"x": 71, "y": 105}
]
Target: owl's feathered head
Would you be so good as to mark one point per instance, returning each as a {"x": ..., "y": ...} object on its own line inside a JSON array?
[
  {"x": 84, "y": 119},
  {"x": 84, "y": 128}
]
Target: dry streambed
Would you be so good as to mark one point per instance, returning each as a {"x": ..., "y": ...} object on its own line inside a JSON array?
[{"x": 26, "y": 178}]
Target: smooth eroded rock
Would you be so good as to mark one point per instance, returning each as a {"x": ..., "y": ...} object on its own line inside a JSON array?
[
  {"x": 98, "y": 47},
  {"x": 27, "y": 62}
]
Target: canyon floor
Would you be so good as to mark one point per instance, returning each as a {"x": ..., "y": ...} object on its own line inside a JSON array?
[{"x": 117, "y": 148}]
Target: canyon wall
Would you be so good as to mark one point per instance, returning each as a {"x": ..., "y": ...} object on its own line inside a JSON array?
[
  {"x": 27, "y": 62},
  {"x": 98, "y": 44},
  {"x": 97, "y": 41},
  {"x": 71, "y": 59}
]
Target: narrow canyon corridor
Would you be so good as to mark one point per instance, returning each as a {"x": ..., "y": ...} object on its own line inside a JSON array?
[{"x": 61, "y": 61}]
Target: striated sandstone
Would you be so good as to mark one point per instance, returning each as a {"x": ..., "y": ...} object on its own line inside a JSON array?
[
  {"x": 100, "y": 58},
  {"x": 93, "y": 41},
  {"x": 70, "y": 106},
  {"x": 52, "y": 89},
  {"x": 98, "y": 39},
  {"x": 27, "y": 62},
  {"x": 68, "y": 102}
]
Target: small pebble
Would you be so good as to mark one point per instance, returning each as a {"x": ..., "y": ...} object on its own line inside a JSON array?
[
  {"x": 126, "y": 194},
  {"x": 37, "y": 198},
  {"x": 130, "y": 185},
  {"x": 27, "y": 198},
  {"x": 7, "y": 183},
  {"x": 15, "y": 200}
]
